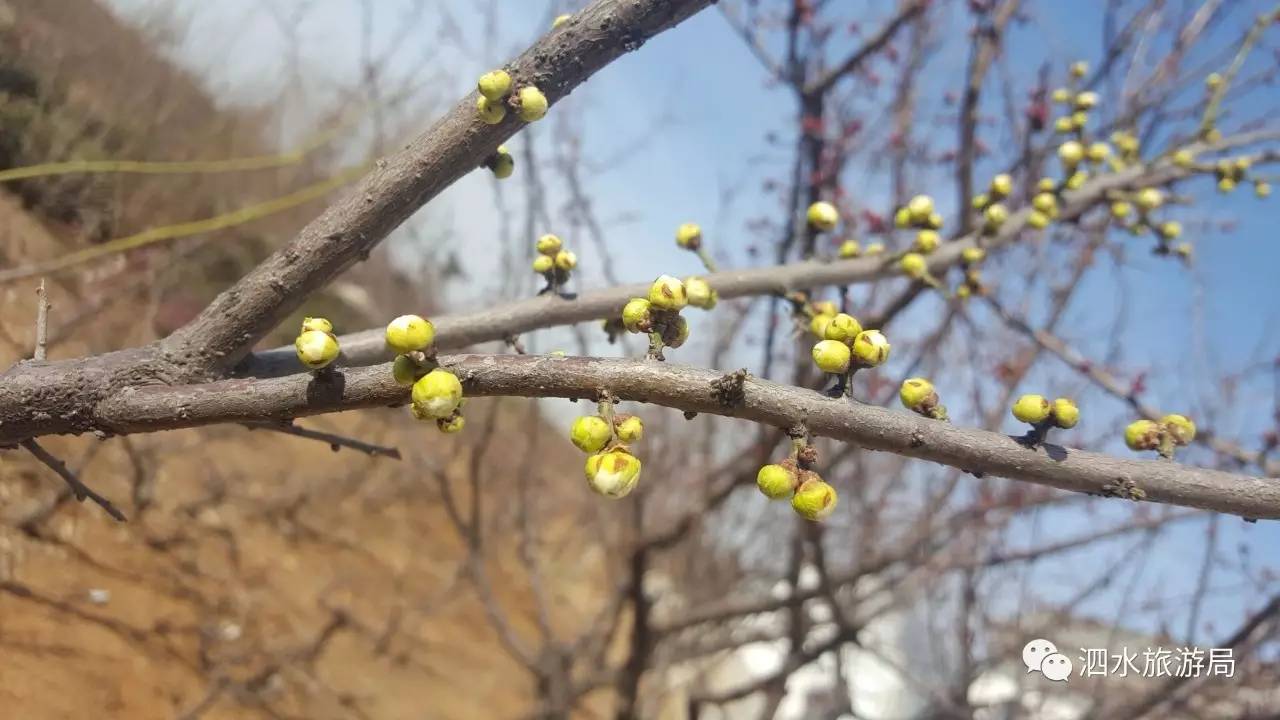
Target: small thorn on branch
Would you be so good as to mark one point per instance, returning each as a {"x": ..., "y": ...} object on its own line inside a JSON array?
[
  {"x": 42, "y": 323},
  {"x": 335, "y": 442},
  {"x": 78, "y": 488}
]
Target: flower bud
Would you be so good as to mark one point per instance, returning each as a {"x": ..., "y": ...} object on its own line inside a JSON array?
[
  {"x": 818, "y": 325},
  {"x": 825, "y": 307},
  {"x": 1098, "y": 152},
  {"x": 831, "y": 356},
  {"x": 452, "y": 424},
  {"x": 1070, "y": 153},
  {"x": 1170, "y": 230},
  {"x": 543, "y": 264},
  {"x": 1001, "y": 185},
  {"x": 317, "y": 323},
  {"x": 1149, "y": 199},
  {"x": 316, "y": 348},
  {"x": 1061, "y": 95},
  {"x": 1044, "y": 202},
  {"x": 871, "y": 347},
  {"x": 917, "y": 394},
  {"x": 491, "y": 112},
  {"x": 1076, "y": 180},
  {"x": 410, "y": 332},
  {"x": 437, "y": 394},
  {"x": 1063, "y": 125},
  {"x": 1031, "y": 409},
  {"x": 973, "y": 255},
  {"x": 635, "y": 315},
  {"x": 814, "y": 499},
  {"x": 590, "y": 433},
  {"x": 1213, "y": 81},
  {"x": 689, "y": 236},
  {"x": 613, "y": 474},
  {"x": 1184, "y": 159},
  {"x": 851, "y": 249},
  {"x": 1046, "y": 185},
  {"x": 1086, "y": 100},
  {"x": 934, "y": 222},
  {"x": 533, "y": 104},
  {"x": 1180, "y": 428},
  {"x": 676, "y": 332},
  {"x": 823, "y": 216},
  {"x": 1037, "y": 220},
  {"x": 777, "y": 482},
  {"x": 920, "y": 208},
  {"x": 914, "y": 265},
  {"x": 842, "y": 328},
  {"x": 699, "y": 292},
  {"x": 405, "y": 370},
  {"x": 1184, "y": 251},
  {"x": 874, "y": 248},
  {"x": 1261, "y": 188},
  {"x": 1065, "y": 413},
  {"x": 566, "y": 260},
  {"x": 630, "y": 429},
  {"x": 1142, "y": 435},
  {"x": 1120, "y": 209},
  {"x": 980, "y": 201},
  {"x": 560, "y": 20},
  {"x": 1079, "y": 119},
  {"x": 1226, "y": 185},
  {"x": 902, "y": 218},
  {"x": 1079, "y": 68},
  {"x": 549, "y": 245},
  {"x": 501, "y": 163},
  {"x": 995, "y": 215},
  {"x": 926, "y": 241},
  {"x": 494, "y": 85},
  {"x": 668, "y": 293}
]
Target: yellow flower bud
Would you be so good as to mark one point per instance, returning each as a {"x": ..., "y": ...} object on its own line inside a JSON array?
[
  {"x": 533, "y": 104},
  {"x": 668, "y": 293},
  {"x": 1031, "y": 409},
  {"x": 914, "y": 265},
  {"x": 630, "y": 428},
  {"x": 1064, "y": 125},
  {"x": 1149, "y": 199},
  {"x": 689, "y": 236},
  {"x": 437, "y": 394},
  {"x": 1086, "y": 100},
  {"x": 934, "y": 222},
  {"x": 850, "y": 249},
  {"x": 501, "y": 163},
  {"x": 677, "y": 332},
  {"x": 1044, "y": 202},
  {"x": 1180, "y": 428},
  {"x": 842, "y": 328},
  {"x": 916, "y": 393},
  {"x": 926, "y": 241},
  {"x": 699, "y": 292},
  {"x": 1037, "y": 220},
  {"x": 494, "y": 85},
  {"x": 980, "y": 201},
  {"x": 874, "y": 248},
  {"x": 1077, "y": 180},
  {"x": 316, "y": 348},
  {"x": 1070, "y": 153},
  {"x": 613, "y": 474},
  {"x": 1079, "y": 119},
  {"x": 818, "y": 325},
  {"x": 825, "y": 307},
  {"x": 814, "y": 499},
  {"x": 635, "y": 314},
  {"x": 1099, "y": 151},
  {"x": 920, "y": 208},
  {"x": 1001, "y": 185},
  {"x": 549, "y": 245},
  {"x": 1226, "y": 185},
  {"x": 1213, "y": 81},
  {"x": 871, "y": 347},
  {"x": 973, "y": 255},
  {"x": 1170, "y": 230},
  {"x": 1046, "y": 185},
  {"x": 1184, "y": 159},
  {"x": 1184, "y": 251},
  {"x": 902, "y": 218},
  {"x": 543, "y": 264},
  {"x": 1142, "y": 435},
  {"x": 1079, "y": 68},
  {"x": 1120, "y": 209},
  {"x": 831, "y": 356},
  {"x": 566, "y": 260},
  {"x": 590, "y": 433},
  {"x": 405, "y": 370},
  {"x": 1261, "y": 188},
  {"x": 1061, "y": 95},
  {"x": 410, "y": 332},
  {"x": 995, "y": 215},
  {"x": 560, "y": 20},
  {"x": 823, "y": 216},
  {"x": 777, "y": 482},
  {"x": 452, "y": 424},
  {"x": 1065, "y": 413},
  {"x": 491, "y": 112},
  {"x": 317, "y": 323}
]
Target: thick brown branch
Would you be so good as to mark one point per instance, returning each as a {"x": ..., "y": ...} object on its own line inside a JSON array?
[
  {"x": 349, "y": 229},
  {"x": 147, "y": 409}
]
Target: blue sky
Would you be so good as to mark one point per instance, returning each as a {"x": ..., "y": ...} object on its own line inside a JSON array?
[{"x": 706, "y": 106}]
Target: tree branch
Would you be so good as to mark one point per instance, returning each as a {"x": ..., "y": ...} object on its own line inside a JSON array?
[{"x": 151, "y": 408}]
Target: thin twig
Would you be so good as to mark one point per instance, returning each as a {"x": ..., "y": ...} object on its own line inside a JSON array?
[
  {"x": 335, "y": 441},
  {"x": 78, "y": 488},
  {"x": 42, "y": 323}
]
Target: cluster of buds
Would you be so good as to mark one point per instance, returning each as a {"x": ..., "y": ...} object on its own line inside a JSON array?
[
  {"x": 495, "y": 96},
  {"x": 1076, "y": 154},
  {"x": 658, "y": 316},
  {"x": 1128, "y": 149},
  {"x": 989, "y": 203},
  {"x": 1078, "y": 103},
  {"x": 823, "y": 216},
  {"x": 918, "y": 213},
  {"x": 1044, "y": 204},
  {"x": 436, "y": 393},
  {"x": 316, "y": 344},
  {"x": 554, "y": 263},
  {"x": 1170, "y": 432},
  {"x": 612, "y": 470},
  {"x": 1134, "y": 212},
  {"x": 1231, "y": 172},
  {"x": 811, "y": 497},
  {"x": 501, "y": 163},
  {"x": 918, "y": 395},
  {"x": 1042, "y": 415},
  {"x": 844, "y": 347}
]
